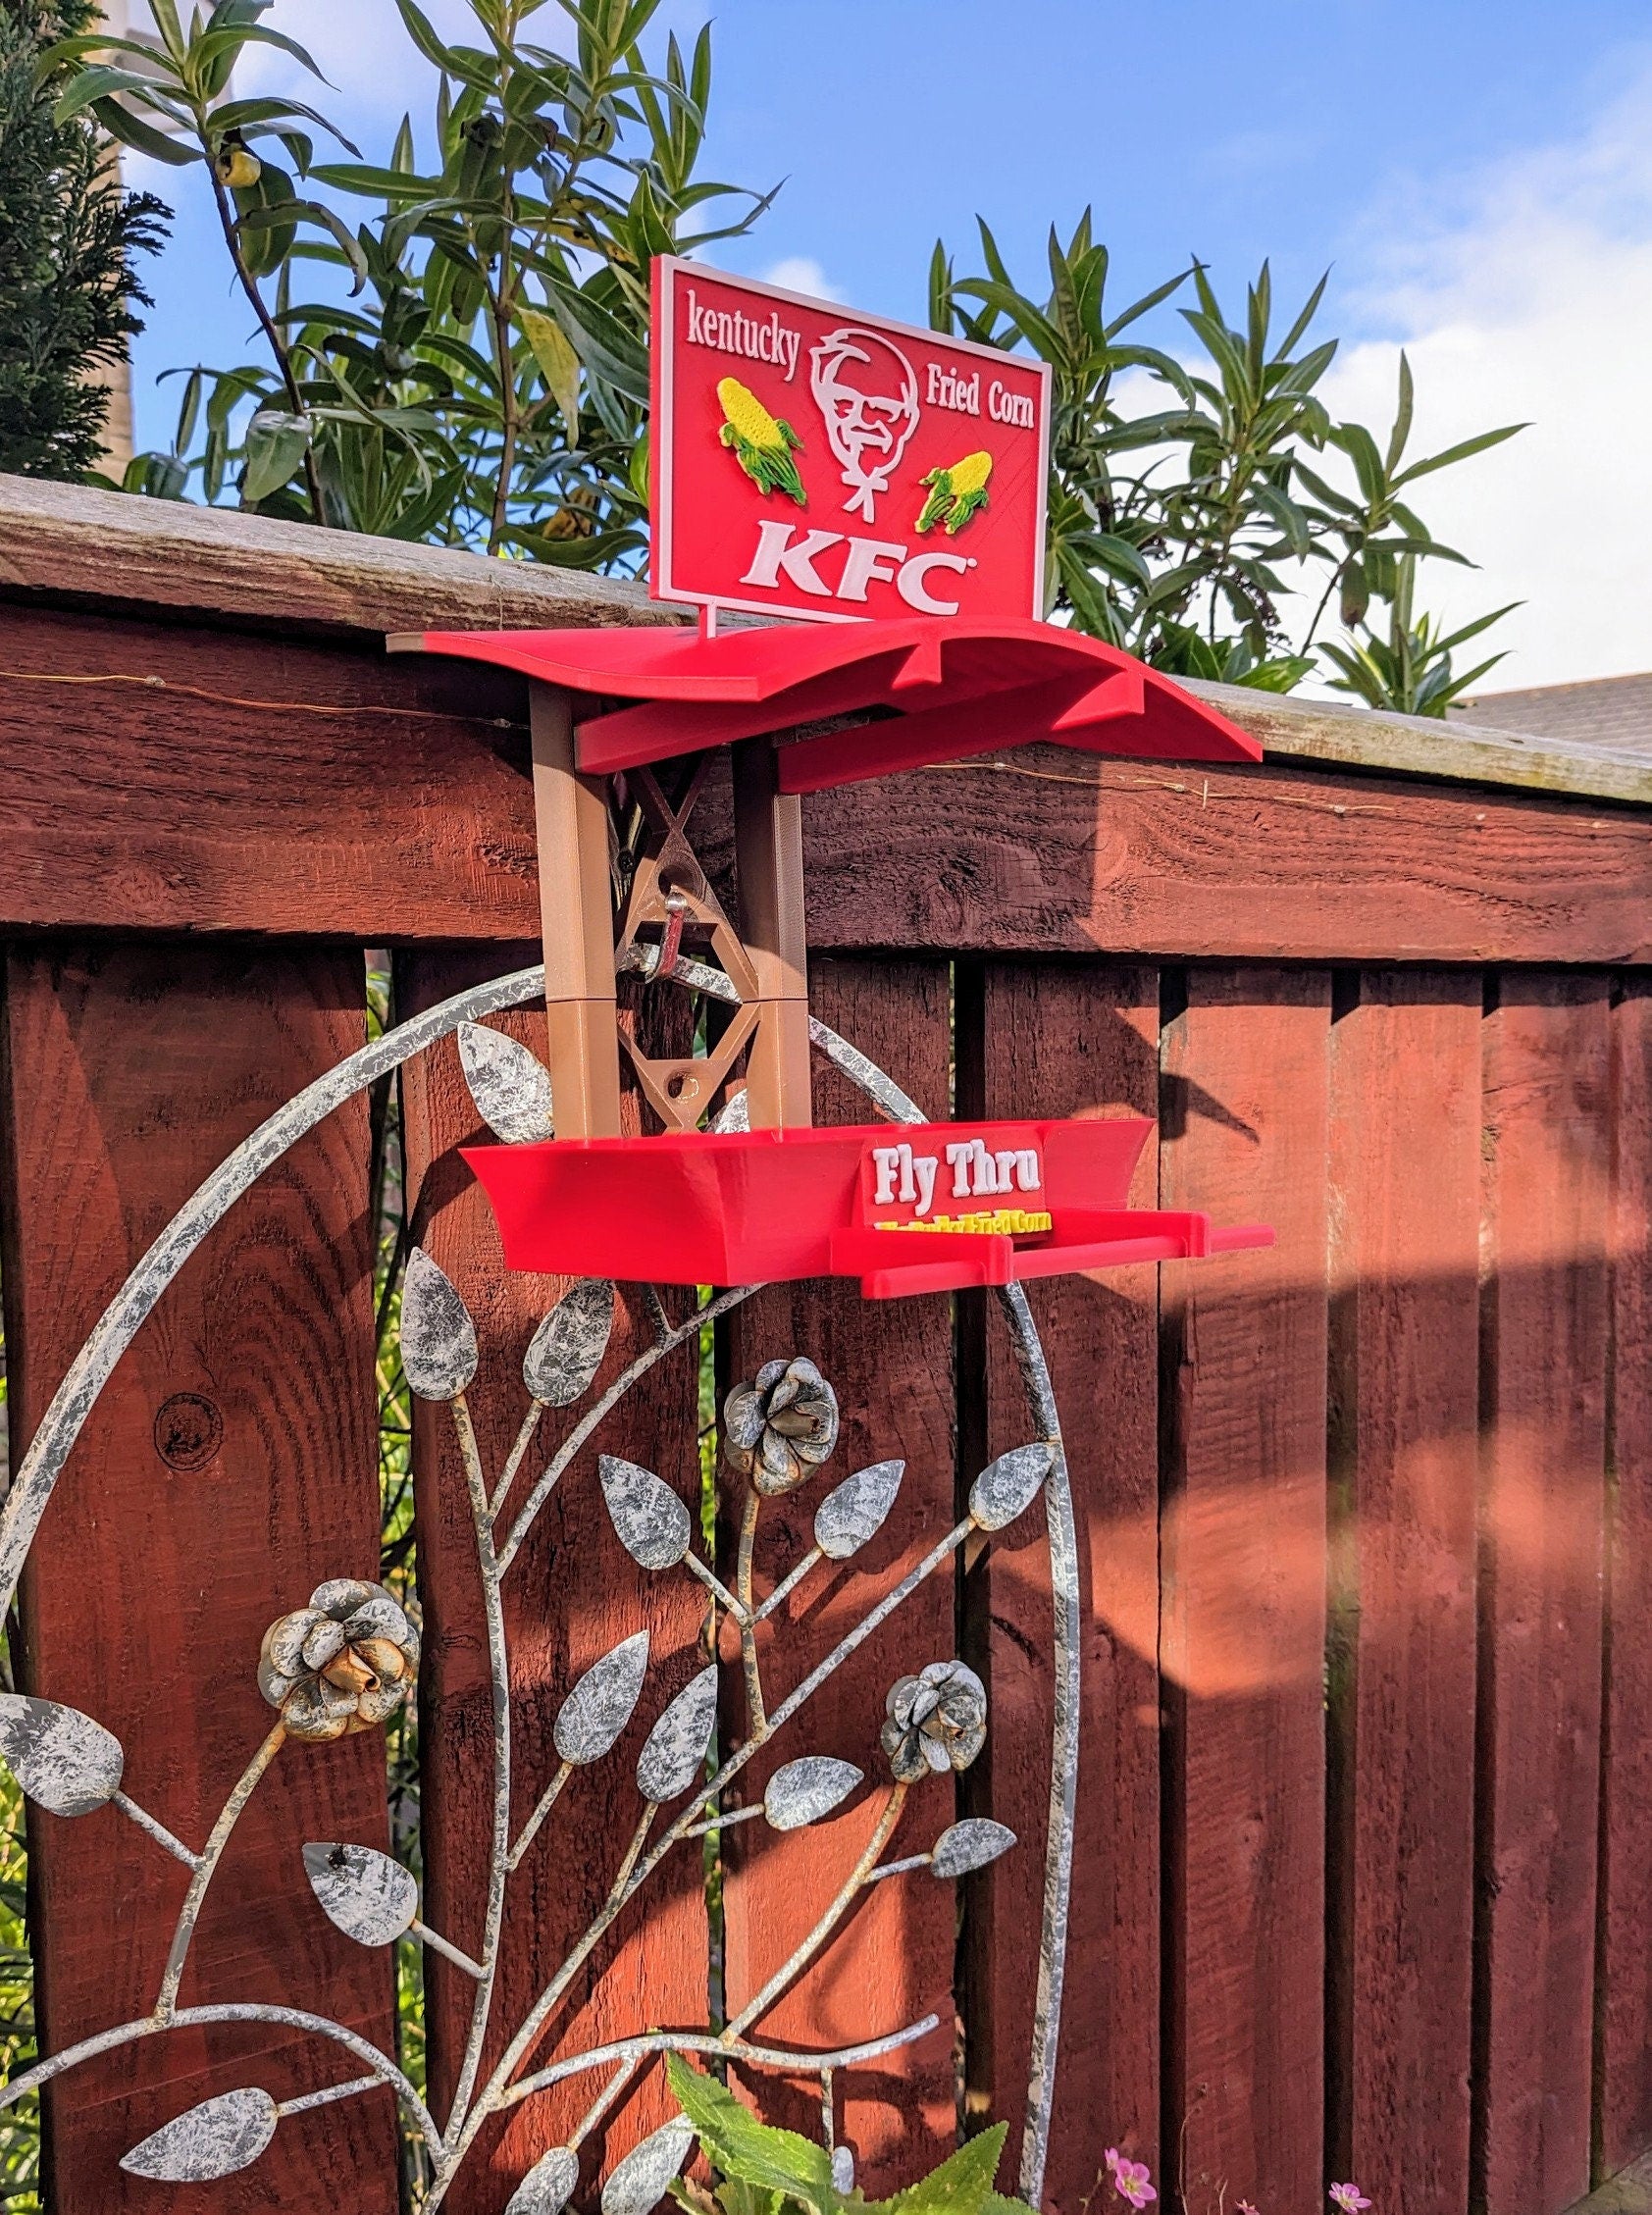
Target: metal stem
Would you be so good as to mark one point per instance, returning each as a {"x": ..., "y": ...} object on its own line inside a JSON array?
[
  {"x": 166, "y": 2001},
  {"x": 757, "y": 1716},
  {"x": 602, "y": 1408},
  {"x": 156, "y": 1830},
  {"x": 715, "y": 1584},
  {"x": 326, "y": 2098},
  {"x": 515, "y": 1458},
  {"x": 778, "y": 2058},
  {"x": 787, "y": 1584},
  {"x": 544, "y": 2006},
  {"x": 725, "y": 1821},
  {"x": 447, "y": 1948},
  {"x": 605, "y": 2098},
  {"x": 853, "y": 1883},
  {"x": 531, "y": 1828},
  {"x": 498, "y": 1669},
  {"x": 900, "y": 1868},
  {"x": 192, "y": 2017}
]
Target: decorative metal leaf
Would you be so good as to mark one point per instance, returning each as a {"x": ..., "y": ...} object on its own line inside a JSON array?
[
  {"x": 600, "y": 1703},
  {"x": 734, "y": 1114},
  {"x": 549, "y": 2186},
  {"x": 371, "y": 1897},
  {"x": 568, "y": 1347},
  {"x": 64, "y": 1761},
  {"x": 438, "y": 1338},
  {"x": 510, "y": 1085},
  {"x": 854, "y": 1511},
  {"x": 807, "y": 1788},
  {"x": 970, "y": 1845},
  {"x": 213, "y": 2140},
  {"x": 643, "y": 2178},
  {"x": 1008, "y": 1485},
  {"x": 652, "y": 1521},
  {"x": 670, "y": 1761},
  {"x": 843, "y": 2170}
]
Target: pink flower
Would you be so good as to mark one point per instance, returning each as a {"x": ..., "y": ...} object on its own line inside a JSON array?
[
  {"x": 1349, "y": 2198},
  {"x": 1245, "y": 2208},
  {"x": 1131, "y": 2182}
]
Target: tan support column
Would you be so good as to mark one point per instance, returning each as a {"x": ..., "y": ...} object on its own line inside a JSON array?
[
  {"x": 768, "y": 832},
  {"x": 577, "y": 920}
]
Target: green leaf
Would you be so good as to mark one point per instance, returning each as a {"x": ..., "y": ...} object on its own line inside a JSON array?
[
  {"x": 559, "y": 363},
  {"x": 142, "y": 137},
  {"x": 959, "y": 2187},
  {"x": 736, "y": 2144},
  {"x": 276, "y": 445},
  {"x": 601, "y": 341}
]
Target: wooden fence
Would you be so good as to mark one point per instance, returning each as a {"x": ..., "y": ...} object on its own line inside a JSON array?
[{"x": 1364, "y": 1886}]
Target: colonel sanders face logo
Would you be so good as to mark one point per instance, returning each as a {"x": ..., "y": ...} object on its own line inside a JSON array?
[{"x": 866, "y": 393}]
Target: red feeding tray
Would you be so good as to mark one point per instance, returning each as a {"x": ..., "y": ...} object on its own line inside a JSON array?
[{"x": 908, "y": 1208}]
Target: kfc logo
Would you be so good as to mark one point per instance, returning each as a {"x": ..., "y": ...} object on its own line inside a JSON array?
[
  {"x": 810, "y": 461},
  {"x": 867, "y": 396}
]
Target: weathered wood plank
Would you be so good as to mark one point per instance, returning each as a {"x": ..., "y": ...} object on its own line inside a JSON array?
[
  {"x": 571, "y": 1595},
  {"x": 1073, "y": 1042},
  {"x": 230, "y": 1467},
  {"x": 69, "y": 543},
  {"x": 1404, "y": 1175},
  {"x": 891, "y": 1364},
  {"x": 1244, "y": 1107},
  {"x": 102, "y": 547},
  {"x": 1623, "y": 2087},
  {"x": 388, "y": 799},
  {"x": 1543, "y": 1323}
]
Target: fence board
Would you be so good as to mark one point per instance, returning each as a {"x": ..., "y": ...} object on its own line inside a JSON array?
[
  {"x": 1404, "y": 1261},
  {"x": 1059, "y": 1041},
  {"x": 572, "y": 1594},
  {"x": 1624, "y": 2090},
  {"x": 178, "y": 778},
  {"x": 1543, "y": 1323},
  {"x": 173, "y": 1543},
  {"x": 891, "y": 1363},
  {"x": 1243, "y": 1562}
]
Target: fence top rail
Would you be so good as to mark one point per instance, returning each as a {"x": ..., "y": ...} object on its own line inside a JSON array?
[{"x": 70, "y": 545}]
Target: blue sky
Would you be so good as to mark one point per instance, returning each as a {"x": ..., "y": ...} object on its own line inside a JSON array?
[{"x": 1478, "y": 179}]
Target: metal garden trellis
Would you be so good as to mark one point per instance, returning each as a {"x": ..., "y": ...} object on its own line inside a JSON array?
[{"x": 347, "y": 1659}]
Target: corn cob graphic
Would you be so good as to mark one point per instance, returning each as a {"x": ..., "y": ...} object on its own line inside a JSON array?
[
  {"x": 955, "y": 494},
  {"x": 761, "y": 445}
]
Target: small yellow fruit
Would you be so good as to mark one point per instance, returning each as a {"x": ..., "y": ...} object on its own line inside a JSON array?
[{"x": 239, "y": 169}]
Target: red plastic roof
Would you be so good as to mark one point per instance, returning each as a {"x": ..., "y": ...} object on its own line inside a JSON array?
[{"x": 955, "y": 688}]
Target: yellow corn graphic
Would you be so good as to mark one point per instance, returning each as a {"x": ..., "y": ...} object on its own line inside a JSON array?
[
  {"x": 761, "y": 444},
  {"x": 955, "y": 494}
]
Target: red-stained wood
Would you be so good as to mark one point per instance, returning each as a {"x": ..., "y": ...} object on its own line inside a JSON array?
[
  {"x": 1624, "y": 2083},
  {"x": 1243, "y": 1534},
  {"x": 1079, "y": 1041},
  {"x": 1544, "y": 1332},
  {"x": 170, "y": 1546},
  {"x": 226, "y": 781},
  {"x": 891, "y": 1364},
  {"x": 1405, "y": 1150},
  {"x": 571, "y": 1595}
]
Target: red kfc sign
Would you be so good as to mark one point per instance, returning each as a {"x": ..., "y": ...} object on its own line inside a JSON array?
[{"x": 836, "y": 466}]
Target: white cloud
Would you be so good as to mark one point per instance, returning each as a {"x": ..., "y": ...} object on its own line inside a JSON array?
[
  {"x": 1526, "y": 295},
  {"x": 800, "y": 273}
]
